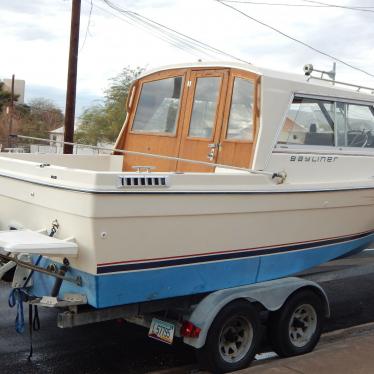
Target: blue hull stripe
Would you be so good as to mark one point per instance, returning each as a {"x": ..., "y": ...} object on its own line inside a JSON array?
[
  {"x": 153, "y": 284},
  {"x": 231, "y": 255}
]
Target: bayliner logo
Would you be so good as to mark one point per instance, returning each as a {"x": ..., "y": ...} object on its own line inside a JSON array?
[{"x": 303, "y": 158}]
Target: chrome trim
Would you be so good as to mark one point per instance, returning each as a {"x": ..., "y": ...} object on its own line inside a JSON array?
[
  {"x": 334, "y": 82},
  {"x": 150, "y": 155},
  {"x": 334, "y": 98}
]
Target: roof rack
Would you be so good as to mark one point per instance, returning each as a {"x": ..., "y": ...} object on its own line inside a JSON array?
[{"x": 359, "y": 88}]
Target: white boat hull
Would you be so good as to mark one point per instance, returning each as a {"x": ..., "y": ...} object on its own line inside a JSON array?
[{"x": 151, "y": 245}]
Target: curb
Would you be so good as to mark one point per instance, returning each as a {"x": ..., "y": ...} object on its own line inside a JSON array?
[
  {"x": 327, "y": 338},
  {"x": 348, "y": 332}
]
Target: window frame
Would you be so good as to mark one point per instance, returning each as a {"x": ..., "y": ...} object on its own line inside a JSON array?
[
  {"x": 193, "y": 77},
  {"x": 213, "y": 129},
  {"x": 347, "y": 119},
  {"x": 135, "y": 101},
  {"x": 254, "y": 79},
  {"x": 254, "y": 109},
  {"x": 283, "y": 148}
]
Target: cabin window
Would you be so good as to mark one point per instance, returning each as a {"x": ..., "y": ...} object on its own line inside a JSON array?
[
  {"x": 240, "y": 124},
  {"x": 328, "y": 123},
  {"x": 204, "y": 107},
  {"x": 355, "y": 125},
  {"x": 309, "y": 122},
  {"x": 158, "y": 106}
]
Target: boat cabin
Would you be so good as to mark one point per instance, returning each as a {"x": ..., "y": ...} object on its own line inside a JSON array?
[
  {"x": 243, "y": 116},
  {"x": 198, "y": 113}
]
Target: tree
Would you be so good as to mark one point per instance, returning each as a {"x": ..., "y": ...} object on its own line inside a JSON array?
[
  {"x": 41, "y": 116},
  {"x": 102, "y": 122},
  {"x": 35, "y": 119},
  {"x": 5, "y": 97},
  {"x": 5, "y": 100}
]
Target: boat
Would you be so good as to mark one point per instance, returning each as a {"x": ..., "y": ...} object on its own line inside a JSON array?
[{"x": 224, "y": 174}]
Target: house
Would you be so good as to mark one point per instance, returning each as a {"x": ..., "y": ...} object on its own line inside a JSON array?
[{"x": 57, "y": 135}]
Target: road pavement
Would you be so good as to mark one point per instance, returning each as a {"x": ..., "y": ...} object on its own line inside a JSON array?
[{"x": 113, "y": 347}]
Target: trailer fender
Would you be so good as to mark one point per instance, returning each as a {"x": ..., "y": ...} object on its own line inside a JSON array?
[{"x": 271, "y": 295}]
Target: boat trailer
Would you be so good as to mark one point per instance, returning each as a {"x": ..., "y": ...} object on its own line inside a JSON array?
[{"x": 223, "y": 326}]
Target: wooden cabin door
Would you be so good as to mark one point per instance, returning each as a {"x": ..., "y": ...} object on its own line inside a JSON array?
[
  {"x": 203, "y": 118},
  {"x": 153, "y": 123},
  {"x": 240, "y": 122}
]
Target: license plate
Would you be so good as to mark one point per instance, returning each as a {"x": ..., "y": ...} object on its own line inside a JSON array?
[{"x": 162, "y": 331}]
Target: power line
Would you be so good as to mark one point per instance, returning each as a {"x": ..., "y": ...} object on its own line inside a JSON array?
[
  {"x": 156, "y": 33},
  {"x": 171, "y": 33},
  {"x": 88, "y": 26},
  {"x": 361, "y": 9},
  {"x": 275, "y": 4},
  {"x": 294, "y": 39},
  {"x": 312, "y": 4},
  {"x": 171, "y": 36},
  {"x": 131, "y": 22},
  {"x": 184, "y": 44}
]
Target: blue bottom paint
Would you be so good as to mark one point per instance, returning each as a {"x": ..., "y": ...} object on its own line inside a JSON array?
[{"x": 139, "y": 286}]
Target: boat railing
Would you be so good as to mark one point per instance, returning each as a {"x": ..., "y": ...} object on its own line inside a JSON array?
[
  {"x": 279, "y": 175},
  {"x": 335, "y": 82}
]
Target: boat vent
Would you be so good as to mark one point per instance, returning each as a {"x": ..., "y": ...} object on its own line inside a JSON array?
[{"x": 143, "y": 180}]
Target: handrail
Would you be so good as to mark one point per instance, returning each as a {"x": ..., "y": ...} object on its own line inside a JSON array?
[
  {"x": 371, "y": 89},
  {"x": 154, "y": 155}
]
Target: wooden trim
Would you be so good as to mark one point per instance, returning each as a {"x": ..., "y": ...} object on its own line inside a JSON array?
[
  {"x": 131, "y": 113},
  {"x": 248, "y": 76},
  {"x": 239, "y": 140},
  {"x": 163, "y": 74},
  {"x": 183, "y": 110},
  {"x": 169, "y": 143},
  {"x": 119, "y": 143},
  {"x": 222, "y": 103},
  {"x": 138, "y": 89},
  {"x": 192, "y": 138},
  {"x": 168, "y": 135},
  {"x": 195, "y": 75},
  {"x": 238, "y": 152},
  {"x": 187, "y": 141},
  {"x": 226, "y": 113},
  {"x": 221, "y": 118},
  {"x": 141, "y": 83},
  {"x": 131, "y": 96}
]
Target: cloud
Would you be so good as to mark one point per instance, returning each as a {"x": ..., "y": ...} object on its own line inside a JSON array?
[
  {"x": 34, "y": 32},
  {"x": 35, "y": 36},
  {"x": 28, "y": 21},
  {"x": 21, "y": 6}
]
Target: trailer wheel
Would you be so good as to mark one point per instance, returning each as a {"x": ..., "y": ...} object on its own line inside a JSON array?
[
  {"x": 232, "y": 338},
  {"x": 296, "y": 328}
]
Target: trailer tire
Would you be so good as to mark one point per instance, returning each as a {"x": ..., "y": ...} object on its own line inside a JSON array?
[
  {"x": 232, "y": 339},
  {"x": 295, "y": 329}
]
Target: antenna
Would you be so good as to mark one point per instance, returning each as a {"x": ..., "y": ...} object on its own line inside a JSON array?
[{"x": 309, "y": 69}]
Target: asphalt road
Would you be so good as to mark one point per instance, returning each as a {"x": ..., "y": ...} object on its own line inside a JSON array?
[{"x": 112, "y": 347}]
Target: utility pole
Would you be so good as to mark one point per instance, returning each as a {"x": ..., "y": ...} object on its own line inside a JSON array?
[
  {"x": 72, "y": 76},
  {"x": 10, "y": 129}
]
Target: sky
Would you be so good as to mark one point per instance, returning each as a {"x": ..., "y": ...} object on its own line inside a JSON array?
[{"x": 34, "y": 39}]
